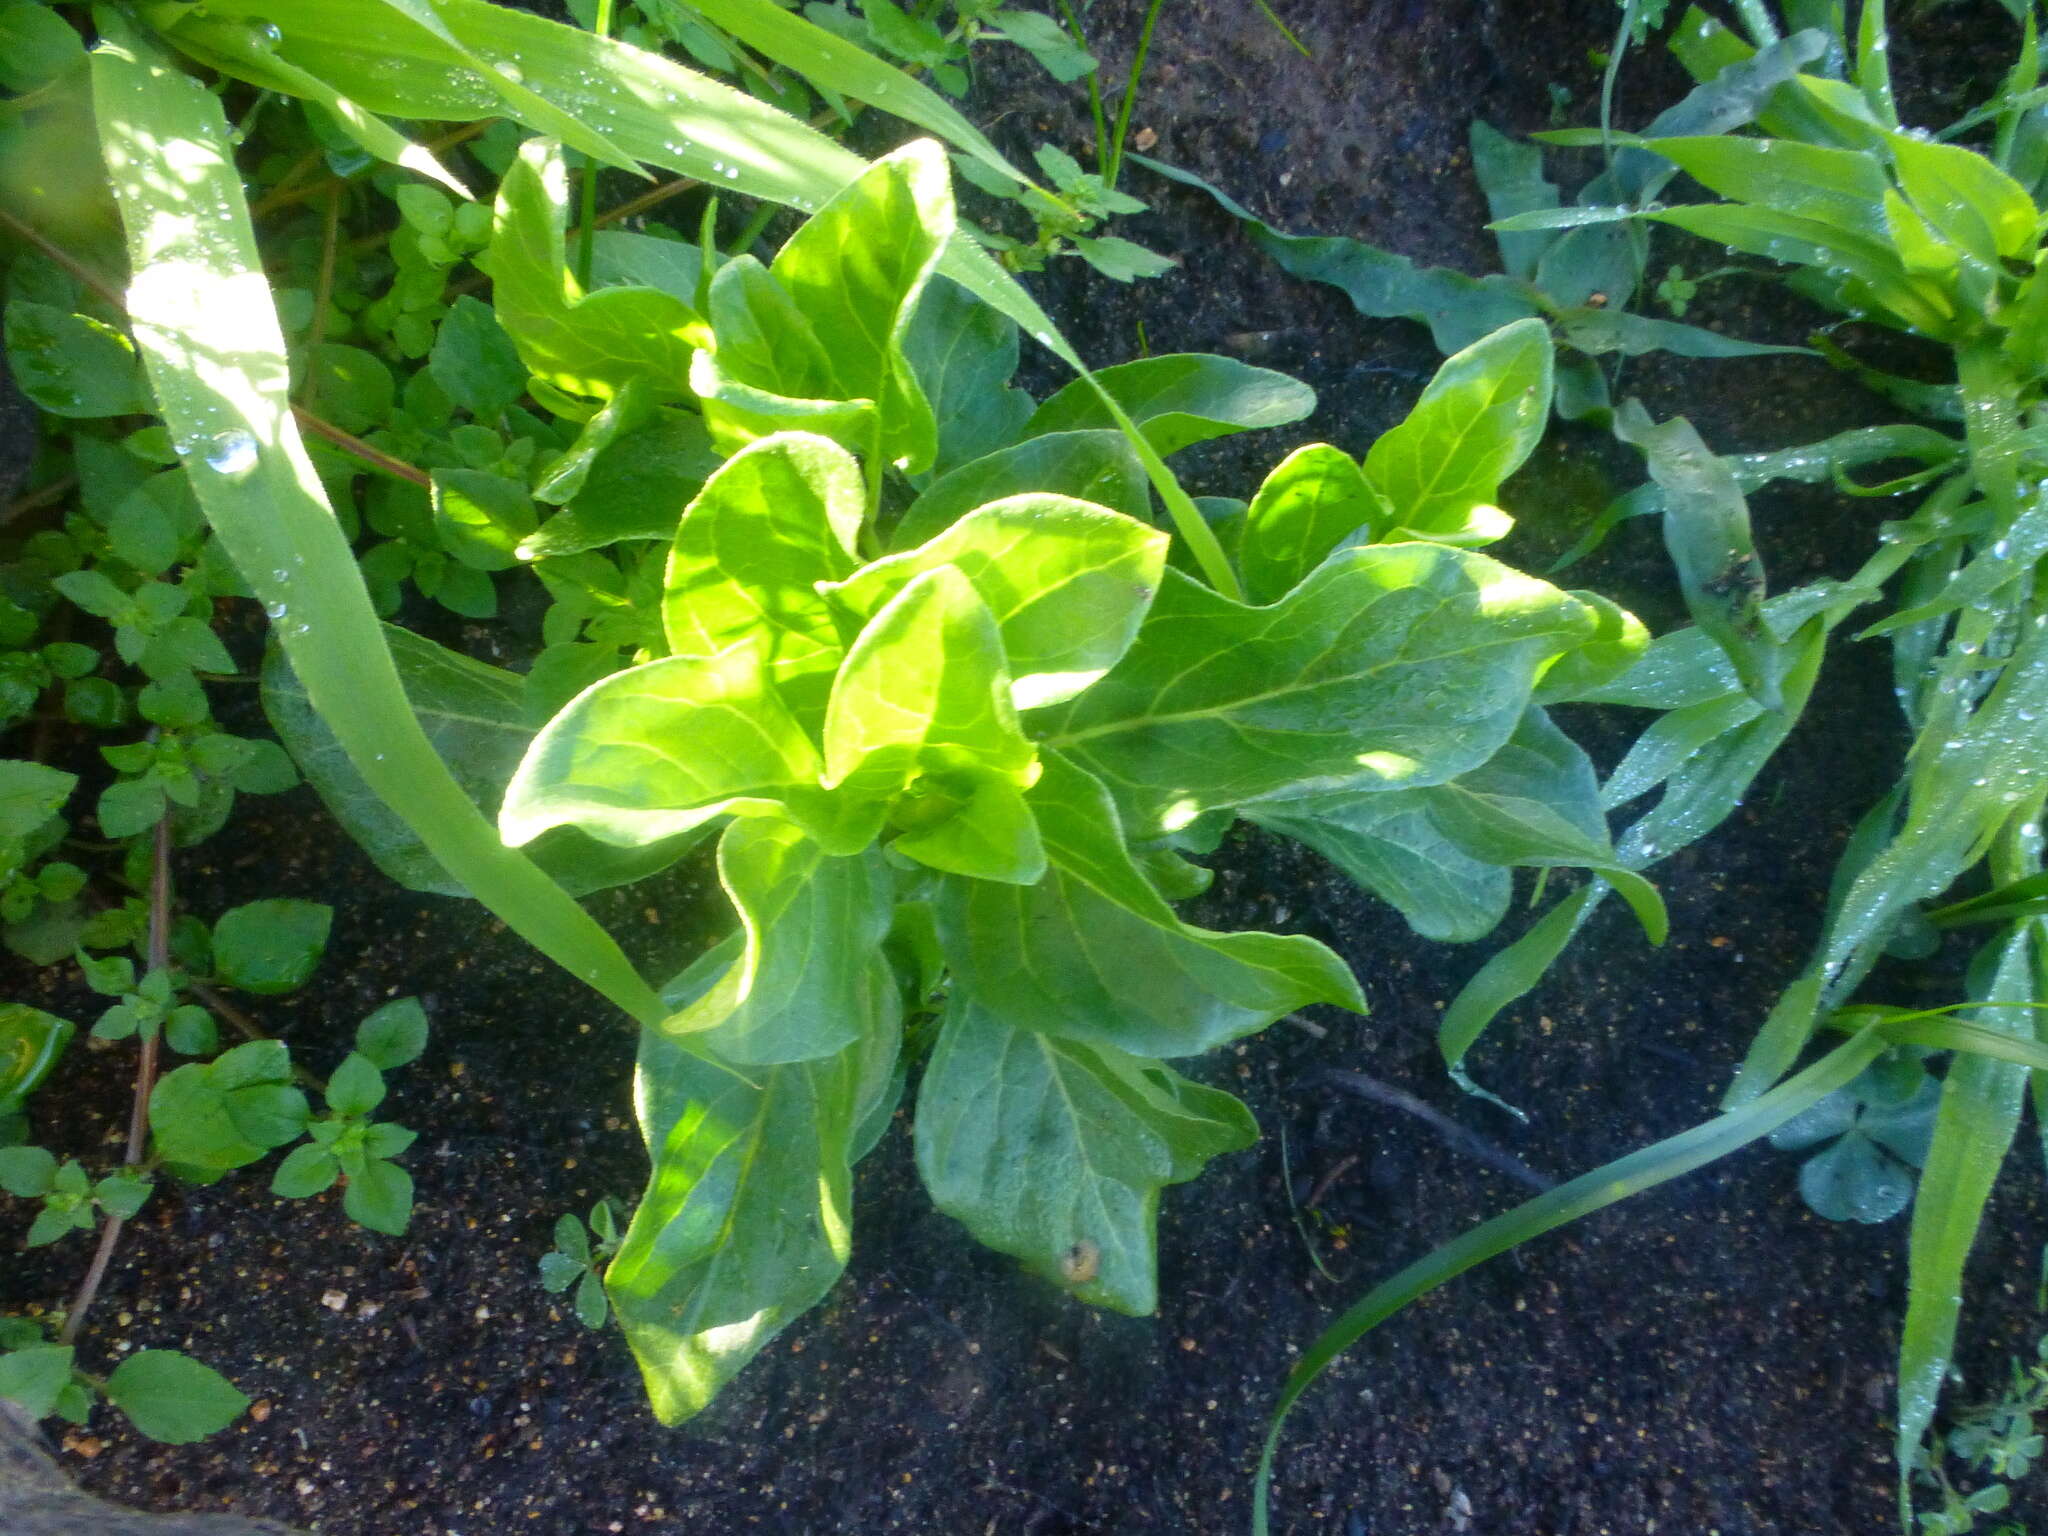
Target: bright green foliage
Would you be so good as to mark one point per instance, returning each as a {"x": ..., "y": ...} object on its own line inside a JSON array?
[
  {"x": 173, "y": 1398},
  {"x": 824, "y": 584},
  {"x": 579, "y": 1258},
  {"x": 988, "y": 734}
]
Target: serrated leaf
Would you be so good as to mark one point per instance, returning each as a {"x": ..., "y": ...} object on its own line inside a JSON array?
[
  {"x": 379, "y": 1197},
  {"x": 30, "y": 794},
  {"x": 1055, "y": 1151},
  {"x": 72, "y": 365},
  {"x": 356, "y": 1087},
  {"x": 393, "y": 1035},
  {"x": 271, "y": 946},
  {"x": 306, "y": 1171},
  {"x": 33, "y": 1377},
  {"x": 172, "y": 1397}
]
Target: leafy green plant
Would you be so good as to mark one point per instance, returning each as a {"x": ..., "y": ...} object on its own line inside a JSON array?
[
  {"x": 1907, "y": 231},
  {"x": 921, "y": 633},
  {"x": 579, "y": 1258}
]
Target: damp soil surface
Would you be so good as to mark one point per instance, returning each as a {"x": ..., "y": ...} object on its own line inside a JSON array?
[{"x": 1707, "y": 1358}]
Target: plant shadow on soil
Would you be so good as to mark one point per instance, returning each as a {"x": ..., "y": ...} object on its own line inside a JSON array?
[{"x": 1708, "y": 1357}]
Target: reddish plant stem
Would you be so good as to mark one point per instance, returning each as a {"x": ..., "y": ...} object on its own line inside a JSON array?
[
  {"x": 145, "y": 1084},
  {"x": 375, "y": 458}
]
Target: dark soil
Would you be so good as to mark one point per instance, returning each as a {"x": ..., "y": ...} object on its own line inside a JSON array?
[{"x": 1708, "y": 1358}]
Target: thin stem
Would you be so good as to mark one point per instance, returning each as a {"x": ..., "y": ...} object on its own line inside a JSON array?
[
  {"x": 63, "y": 258},
  {"x": 1123, "y": 108},
  {"x": 42, "y": 496},
  {"x": 145, "y": 1084},
  {"x": 1094, "y": 84},
  {"x": 323, "y": 295},
  {"x": 362, "y": 450}
]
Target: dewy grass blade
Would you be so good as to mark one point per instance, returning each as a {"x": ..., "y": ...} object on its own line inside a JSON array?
[
  {"x": 1980, "y": 1112},
  {"x": 208, "y": 332},
  {"x": 1603, "y": 1187},
  {"x": 661, "y": 114}
]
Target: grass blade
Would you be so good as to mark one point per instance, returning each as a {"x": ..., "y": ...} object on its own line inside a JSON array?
[
  {"x": 1980, "y": 1112},
  {"x": 209, "y": 336},
  {"x": 1590, "y": 1192}
]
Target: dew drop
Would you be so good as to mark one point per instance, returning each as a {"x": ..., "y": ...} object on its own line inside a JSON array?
[{"x": 231, "y": 453}]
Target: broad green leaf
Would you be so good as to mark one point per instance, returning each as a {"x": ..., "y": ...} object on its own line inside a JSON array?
[
  {"x": 963, "y": 353},
  {"x": 475, "y": 361},
  {"x": 356, "y": 1087},
  {"x": 1840, "y": 187},
  {"x": 1598, "y": 332},
  {"x": 1310, "y": 504},
  {"x": 1706, "y": 530},
  {"x": 1055, "y": 1151},
  {"x": 1391, "y": 666},
  {"x": 207, "y": 1119},
  {"x": 172, "y": 1397},
  {"x": 394, "y": 1034},
  {"x": 622, "y": 259},
  {"x": 856, "y": 270},
  {"x": 71, "y": 365},
  {"x": 1067, "y": 583},
  {"x": 270, "y": 946},
  {"x": 1620, "y": 642},
  {"x": 1388, "y": 845},
  {"x": 1979, "y": 1115},
  {"x": 1535, "y": 803},
  {"x": 661, "y": 749},
  {"x": 924, "y": 689},
  {"x": 208, "y": 332},
  {"x": 746, "y": 1220},
  {"x": 1511, "y": 176},
  {"x": 798, "y": 989},
  {"x": 1477, "y": 421},
  {"x": 1092, "y": 952},
  {"x": 1178, "y": 400},
  {"x": 1096, "y": 466},
  {"x": 36, "y": 46},
  {"x": 770, "y": 372},
  {"x": 636, "y": 488},
  {"x": 30, "y": 794},
  {"x": 777, "y": 519},
  {"x": 589, "y": 344},
  {"x": 475, "y": 719},
  {"x": 481, "y": 518},
  {"x": 1966, "y": 197},
  {"x": 32, "y": 1378}
]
